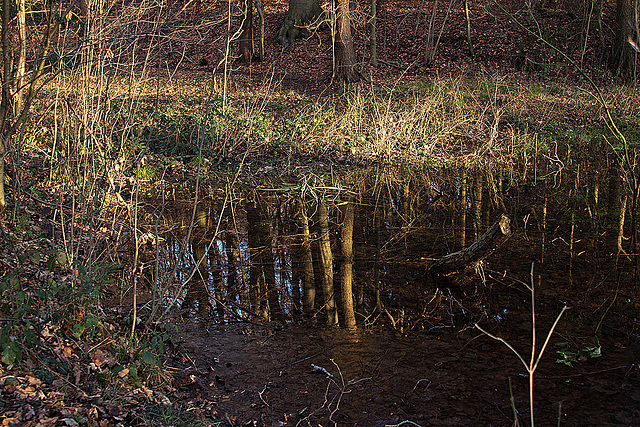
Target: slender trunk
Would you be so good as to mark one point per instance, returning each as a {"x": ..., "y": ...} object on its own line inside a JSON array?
[
  {"x": 345, "y": 66},
  {"x": 346, "y": 273},
  {"x": 246, "y": 38},
  {"x": 215, "y": 268},
  {"x": 326, "y": 265},
  {"x": 268, "y": 264},
  {"x": 477, "y": 206},
  {"x": 197, "y": 292},
  {"x": 84, "y": 19},
  {"x": 372, "y": 32},
  {"x": 468, "y": 18},
  {"x": 463, "y": 210},
  {"x": 260, "y": 11},
  {"x": 406, "y": 207},
  {"x": 624, "y": 57},
  {"x": 544, "y": 230},
  {"x": 5, "y": 102},
  {"x": 255, "y": 273},
  {"x": 233, "y": 254},
  {"x": 20, "y": 79},
  {"x": 308, "y": 280},
  {"x": 376, "y": 266},
  {"x": 623, "y": 210}
]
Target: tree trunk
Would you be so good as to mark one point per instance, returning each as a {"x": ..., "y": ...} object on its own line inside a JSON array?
[
  {"x": 463, "y": 210},
  {"x": 468, "y": 19},
  {"x": 256, "y": 277},
  {"x": 300, "y": 14},
  {"x": 345, "y": 64},
  {"x": 624, "y": 57},
  {"x": 22, "y": 58},
  {"x": 18, "y": 92},
  {"x": 215, "y": 266},
  {"x": 260, "y": 11},
  {"x": 265, "y": 258},
  {"x": 308, "y": 279},
  {"x": 3, "y": 203},
  {"x": 5, "y": 103},
  {"x": 246, "y": 38},
  {"x": 373, "y": 50},
  {"x": 326, "y": 265},
  {"x": 197, "y": 293},
  {"x": 467, "y": 259},
  {"x": 84, "y": 19},
  {"x": 233, "y": 256},
  {"x": 477, "y": 205},
  {"x": 346, "y": 271}
]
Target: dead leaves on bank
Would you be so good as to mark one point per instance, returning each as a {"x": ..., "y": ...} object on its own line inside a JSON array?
[{"x": 29, "y": 401}]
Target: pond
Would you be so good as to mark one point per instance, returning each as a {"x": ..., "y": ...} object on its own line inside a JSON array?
[{"x": 252, "y": 275}]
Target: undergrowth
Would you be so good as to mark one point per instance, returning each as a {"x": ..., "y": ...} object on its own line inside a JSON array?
[{"x": 439, "y": 123}]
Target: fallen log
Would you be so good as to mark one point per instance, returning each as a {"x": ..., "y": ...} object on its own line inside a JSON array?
[{"x": 467, "y": 259}]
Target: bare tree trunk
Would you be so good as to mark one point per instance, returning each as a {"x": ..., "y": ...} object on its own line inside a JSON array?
[
  {"x": 5, "y": 104},
  {"x": 246, "y": 38},
  {"x": 463, "y": 211},
  {"x": 372, "y": 32},
  {"x": 623, "y": 210},
  {"x": 376, "y": 266},
  {"x": 477, "y": 206},
  {"x": 256, "y": 277},
  {"x": 233, "y": 256},
  {"x": 308, "y": 279},
  {"x": 326, "y": 265},
  {"x": 17, "y": 92},
  {"x": 260, "y": 11},
  {"x": 268, "y": 264},
  {"x": 345, "y": 66},
  {"x": 197, "y": 292},
  {"x": 624, "y": 57},
  {"x": 467, "y": 259},
  {"x": 20, "y": 79},
  {"x": 84, "y": 19},
  {"x": 468, "y": 18},
  {"x": 346, "y": 273},
  {"x": 300, "y": 13}
]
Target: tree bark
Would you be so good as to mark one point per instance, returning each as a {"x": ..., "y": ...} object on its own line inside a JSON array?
[
  {"x": 624, "y": 57},
  {"x": 260, "y": 11},
  {"x": 268, "y": 265},
  {"x": 22, "y": 58},
  {"x": 463, "y": 210},
  {"x": 256, "y": 276},
  {"x": 477, "y": 205},
  {"x": 373, "y": 50},
  {"x": 300, "y": 14},
  {"x": 468, "y": 19},
  {"x": 467, "y": 259},
  {"x": 345, "y": 66},
  {"x": 326, "y": 265},
  {"x": 308, "y": 279},
  {"x": 18, "y": 92},
  {"x": 233, "y": 256},
  {"x": 246, "y": 38},
  {"x": 346, "y": 271},
  {"x": 5, "y": 103}
]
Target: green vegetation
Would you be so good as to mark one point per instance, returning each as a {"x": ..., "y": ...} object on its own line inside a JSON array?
[{"x": 110, "y": 117}]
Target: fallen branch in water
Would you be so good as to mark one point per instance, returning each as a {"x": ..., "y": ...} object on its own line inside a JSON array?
[{"x": 470, "y": 257}]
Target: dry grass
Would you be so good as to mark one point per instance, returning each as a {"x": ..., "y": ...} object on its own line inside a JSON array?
[{"x": 447, "y": 122}]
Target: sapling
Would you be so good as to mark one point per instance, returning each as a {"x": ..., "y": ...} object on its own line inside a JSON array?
[{"x": 532, "y": 365}]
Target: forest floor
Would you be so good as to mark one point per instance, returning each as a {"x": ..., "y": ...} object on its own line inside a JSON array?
[{"x": 75, "y": 364}]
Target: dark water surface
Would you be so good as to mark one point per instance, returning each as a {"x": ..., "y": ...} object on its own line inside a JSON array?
[{"x": 236, "y": 281}]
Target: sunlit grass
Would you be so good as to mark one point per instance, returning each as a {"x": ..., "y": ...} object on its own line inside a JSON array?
[{"x": 446, "y": 122}]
